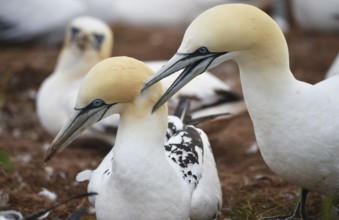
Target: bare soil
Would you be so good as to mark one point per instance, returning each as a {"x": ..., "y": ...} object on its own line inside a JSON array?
[{"x": 250, "y": 188}]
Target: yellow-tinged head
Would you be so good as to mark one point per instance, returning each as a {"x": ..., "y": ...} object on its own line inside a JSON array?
[
  {"x": 240, "y": 32},
  {"x": 89, "y": 34},
  {"x": 116, "y": 80},
  {"x": 231, "y": 27},
  {"x": 111, "y": 86}
]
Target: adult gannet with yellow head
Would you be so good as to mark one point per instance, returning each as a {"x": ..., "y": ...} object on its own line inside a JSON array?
[
  {"x": 296, "y": 124},
  {"x": 146, "y": 175},
  {"x": 88, "y": 41}
]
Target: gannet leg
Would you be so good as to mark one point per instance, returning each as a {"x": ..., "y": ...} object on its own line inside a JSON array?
[{"x": 299, "y": 212}]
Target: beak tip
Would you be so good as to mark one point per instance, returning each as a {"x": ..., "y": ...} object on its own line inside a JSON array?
[
  {"x": 154, "y": 109},
  {"x": 158, "y": 104},
  {"x": 144, "y": 88},
  {"x": 147, "y": 84},
  {"x": 47, "y": 158},
  {"x": 50, "y": 153}
]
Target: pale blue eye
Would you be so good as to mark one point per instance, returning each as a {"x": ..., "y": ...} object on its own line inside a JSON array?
[
  {"x": 203, "y": 50},
  {"x": 97, "y": 103}
]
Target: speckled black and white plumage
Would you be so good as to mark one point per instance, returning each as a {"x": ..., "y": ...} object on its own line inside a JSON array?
[
  {"x": 188, "y": 151},
  {"x": 184, "y": 148}
]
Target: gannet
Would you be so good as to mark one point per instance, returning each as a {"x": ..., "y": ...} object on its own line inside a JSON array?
[
  {"x": 144, "y": 176},
  {"x": 295, "y": 123},
  {"x": 88, "y": 40}
]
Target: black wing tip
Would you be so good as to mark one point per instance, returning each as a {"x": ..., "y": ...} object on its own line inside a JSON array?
[
  {"x": 228, "y": 96},
  {"x": 199, "y": 120},
  {"x": 183, "y": 108}
]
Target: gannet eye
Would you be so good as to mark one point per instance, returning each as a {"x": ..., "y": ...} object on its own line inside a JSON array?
[
  {"x": 97, "y": 103},
  {"x": 203, "y": 50},
  {"x": 99, "y": 38},
  {"x": 75, "y": 31}
]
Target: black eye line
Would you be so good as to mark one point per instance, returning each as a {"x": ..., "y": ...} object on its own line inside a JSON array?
[
  {"x": 75, "y": 30},
  {"x": 197, "y": 53},
  {"x": 99, "y": 37},
  {"x": 91, "y": 106}
]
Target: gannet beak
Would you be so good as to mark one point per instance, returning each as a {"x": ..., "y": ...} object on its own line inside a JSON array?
[
  {"x": 194, "y": 63},
  {"x": 80, "y": 120},
  {"x": 82, "y": 41}
]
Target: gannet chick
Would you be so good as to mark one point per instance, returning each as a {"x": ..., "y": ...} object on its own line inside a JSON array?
[
  {"x": 295, "y": 123},
  {"x": 87, "y": 41},
  {"x": 146, "y": 175}
]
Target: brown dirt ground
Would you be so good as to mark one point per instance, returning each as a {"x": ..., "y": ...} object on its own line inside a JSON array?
[{"x": 250, "y": 189}]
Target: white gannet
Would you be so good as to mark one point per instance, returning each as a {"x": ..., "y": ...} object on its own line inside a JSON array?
[
  {"x": 295, "y": 123},
  {"x": 87, "y": 41},
  {"x": 144, "y": 176}
]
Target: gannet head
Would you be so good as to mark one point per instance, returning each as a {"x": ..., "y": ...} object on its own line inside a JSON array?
[
  {"x": 112, "y": 86},
  {"x": 221, "y": 33},
  {"x": 89, "y": 34}
]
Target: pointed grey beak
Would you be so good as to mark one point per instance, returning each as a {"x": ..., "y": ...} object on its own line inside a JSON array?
[
  {"x": 80, "y": 120},
  {"x": 194, "y": 63}
]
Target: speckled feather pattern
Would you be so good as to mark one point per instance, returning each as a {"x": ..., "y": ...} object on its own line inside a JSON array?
[{"x": 184, "y": 148}]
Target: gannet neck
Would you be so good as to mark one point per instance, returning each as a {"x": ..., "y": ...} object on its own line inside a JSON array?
[
  {"x": 140, "y": 124},
  {"x": 260, "y": 74},
  {"x": 137, "y": 122},
  {"x": 74, "y": 61},
  {"x": 139, "y": 154}
]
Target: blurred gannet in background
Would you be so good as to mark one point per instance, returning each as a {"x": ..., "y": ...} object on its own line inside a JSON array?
[
  {"x": 26, "y": 20},
  {"x": 146, "y": 175},
  {"x": 296, "y": 124},
  {"x": 88, "y": 41},
  {"x": 315, "y": 15}
]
